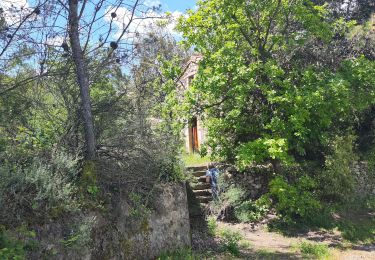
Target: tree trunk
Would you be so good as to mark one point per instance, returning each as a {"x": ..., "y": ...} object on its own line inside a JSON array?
[{"x": 82, "y": 79}]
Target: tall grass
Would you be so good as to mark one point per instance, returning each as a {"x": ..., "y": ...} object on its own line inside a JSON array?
[{"x": 194, "y": 159}]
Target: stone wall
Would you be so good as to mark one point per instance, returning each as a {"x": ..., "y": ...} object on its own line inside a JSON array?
[
  {"x": 255, "y": 179},
  {"x": 119, "y": 234},
  {"x": 365, "y": 179}
]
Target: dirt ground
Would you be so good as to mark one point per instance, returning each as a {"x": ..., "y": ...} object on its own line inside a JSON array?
[{"x": 269, "y": 245}]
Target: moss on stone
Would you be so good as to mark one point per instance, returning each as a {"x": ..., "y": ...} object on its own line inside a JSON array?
[
  {"x": 145, "y": 226},
  {"x": 126, "y": 245},
  {"x": 89, "y": 173}
]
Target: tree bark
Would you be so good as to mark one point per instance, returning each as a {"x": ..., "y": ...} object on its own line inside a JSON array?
[{"x": 82, "y": 79}]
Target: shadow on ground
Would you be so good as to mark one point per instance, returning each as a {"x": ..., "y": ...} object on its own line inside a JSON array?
[
  {"x": 356, "y": 227},
  {"x": 262, "y": 254},
  {"x": 246, "y": 254}
]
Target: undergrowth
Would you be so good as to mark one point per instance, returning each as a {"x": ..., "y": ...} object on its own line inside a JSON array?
[
  {"x": 195, "y": 159},
  {"x": 313, "y": 250},
  {"x": 230, "y": 241},
  {"x": 15, "y": 244},
  {"x": 181, "y": 254},
  {"x": 212, "y": 226}
]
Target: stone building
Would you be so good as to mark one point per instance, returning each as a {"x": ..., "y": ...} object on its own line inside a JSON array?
[{"x": 194, "y": 132}]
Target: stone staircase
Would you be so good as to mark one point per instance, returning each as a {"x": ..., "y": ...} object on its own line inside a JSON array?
[{"x": 200, "y": 188}]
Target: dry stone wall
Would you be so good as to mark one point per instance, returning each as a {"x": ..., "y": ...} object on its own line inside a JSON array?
[
  {"x": 365, "y": 178},
  {"x": 119, "y": 233},
  {"x": 255, "y": 179}
]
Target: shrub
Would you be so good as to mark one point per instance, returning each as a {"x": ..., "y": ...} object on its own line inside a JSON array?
[
  {"x": 318, "y": 251},
  {"x": 230, "y": 240},
  {"x": 10, "y": 248},
  {"x": 234, "y": 195},
  {"x": 212, "y": 226},
  {"x": 81, "y": 236},
  {"x": 336, "y": 181},
  {"x": 13, "y": 245},
  {"x": 295, "y": 202},
  {"x": 39, "y": 190},
  {"x": 370, "y": 203},
  {"x": 250, "y": 211}
]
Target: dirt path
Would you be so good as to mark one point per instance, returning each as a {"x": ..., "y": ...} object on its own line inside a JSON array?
[{"x": 276, "y": 245}]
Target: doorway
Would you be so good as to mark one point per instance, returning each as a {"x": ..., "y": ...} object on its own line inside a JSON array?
[{"x": 193, "y": 135}]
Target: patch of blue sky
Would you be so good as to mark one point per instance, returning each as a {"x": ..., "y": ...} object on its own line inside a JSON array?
[
  {"x": 176, "y": 5},
  {"x": 105, "y": 28}
]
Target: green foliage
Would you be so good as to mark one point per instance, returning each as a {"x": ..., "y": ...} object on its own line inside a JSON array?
[
  {"x": 260, "y": 150},
  {"x": 182, "y": 254},
  {"x": 318, "y": 251},
  {"x": 171, "y": 169},
  {"x": 230, "y": 240},
  {"x": 353, "y": 220},
  {"x": 245, "y": 210},
  {"x": 358, "y": 228},
  {"x": 81, "y": 236},
  {"x": 39, "y": 190},
  {"x": 295, "y": 202},
  {"x": 15, "y": 244},
  {"x": 194, "y": 159},
  {"x": 139, "y": 209},
  {"x": 31, "y": 119},
  {"x": 252, "y": 211},
  {"x": 212, "y": 226},
  {"x": 267, "y": 86},
  {"x": 337, "y": 182},
  {"x": 234, "y": 195},
  {"x": 359, "y": 231},
  {"x": 10, "y": 248},
  {"x": 93, "y": 190},
  {"x": 370, "y": 203}
]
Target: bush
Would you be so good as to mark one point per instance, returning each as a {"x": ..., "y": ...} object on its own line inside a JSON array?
[
  {"x": 370, "y": 203},
  {"x": 39, "y": 190},
  {"x": 309, "y": 250},
  {"x": 234, "y": 195},
  {"x": 295, "y": 202},
  {"x": 81, "y": 235},
  {"x": 336, "y": 181},
  {"x": 212, "y": 226},
  {"x": 13, "y": 245},
  {"x": 249, "y": 211},
  {"x": 230, "y": 240}
]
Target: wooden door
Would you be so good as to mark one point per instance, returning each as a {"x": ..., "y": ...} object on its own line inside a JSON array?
[
  {"x": 195, "y": 139},
  {"x": 194, "y": 142}
]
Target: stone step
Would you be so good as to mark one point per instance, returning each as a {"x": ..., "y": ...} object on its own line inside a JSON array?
[
  {"x": 196, "y": 168},
  {"x": 204, "y": 199},
  {"x": 201, "y": 179},
  {"x": 203, "y": 205},
  {"x": 198, "y": 173},
  {"x": 206, "y": 192},
  {"x": 200, "y": 186}
]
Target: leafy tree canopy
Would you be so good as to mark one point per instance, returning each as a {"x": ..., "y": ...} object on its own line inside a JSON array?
[{"x": 278, "y": 78}]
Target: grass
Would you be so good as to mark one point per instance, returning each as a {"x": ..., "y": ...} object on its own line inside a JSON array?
[
  {"x": 358, "y": 230},
  {"x": 212, "y": 226},
  {"x": 181, "y": 254},
  {"x": 194, "y": 159},
  {"x": 355, "y": 223},
  {"x": 245, "y": 244},
  {"x": 189, "y": 254},
  {"x": 266, "y": 255},
  {"x": 314, "y": 250},
  {"x": 230, "y": 241}
]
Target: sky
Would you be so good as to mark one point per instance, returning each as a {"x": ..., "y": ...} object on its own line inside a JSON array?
[
  {"x": 139, "y": 25},
  {"x": 177, "y": 5}
]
